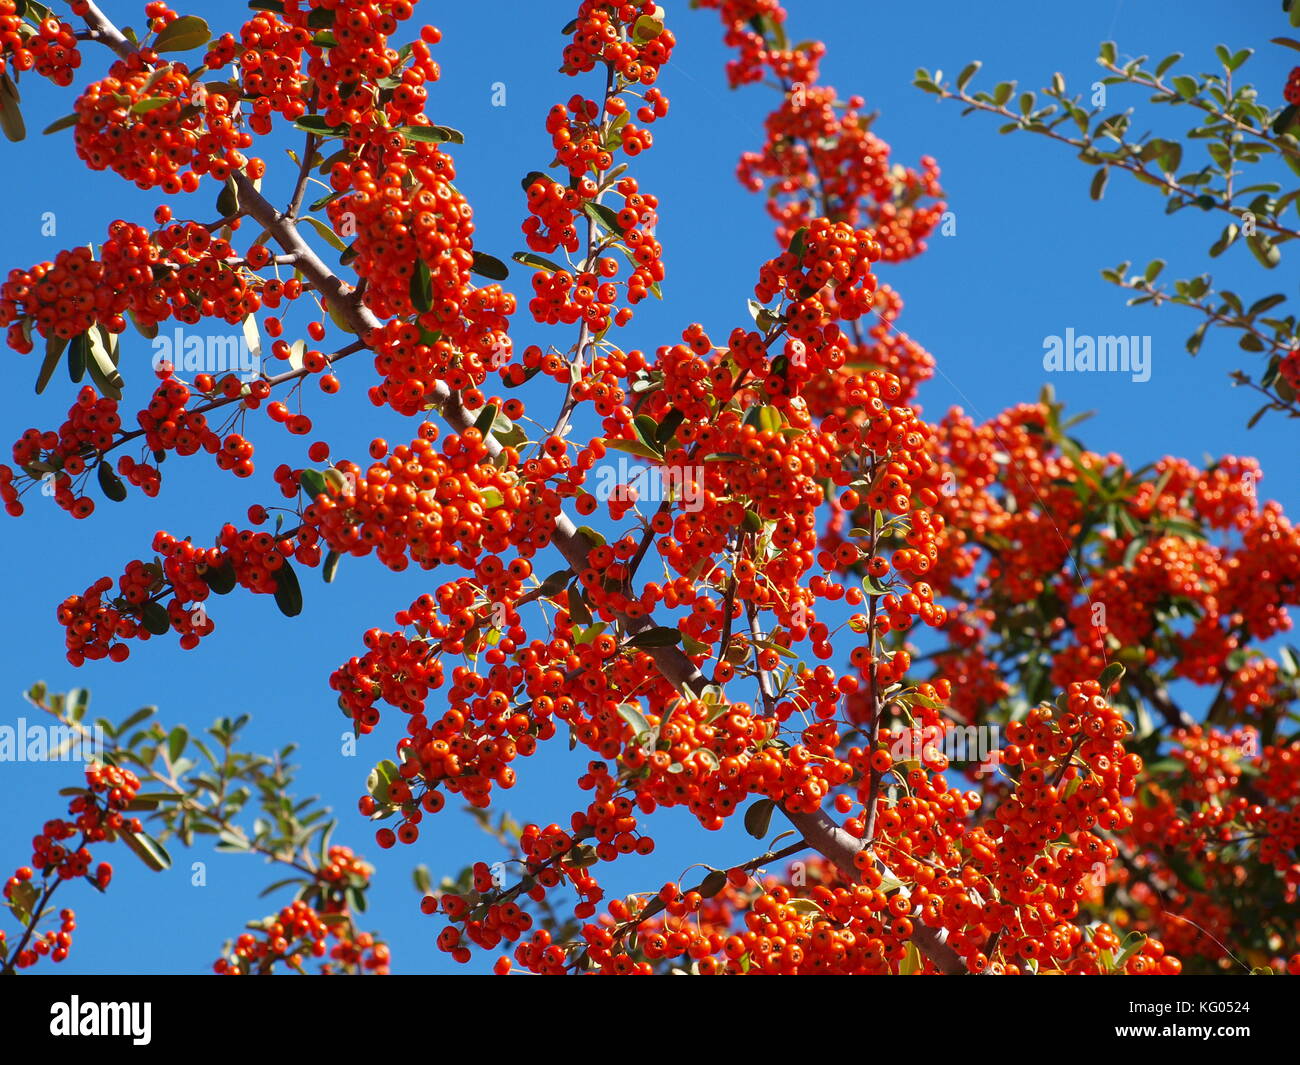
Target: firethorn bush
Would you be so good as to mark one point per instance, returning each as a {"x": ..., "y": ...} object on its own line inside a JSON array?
[{"x": 925, "y": 662}]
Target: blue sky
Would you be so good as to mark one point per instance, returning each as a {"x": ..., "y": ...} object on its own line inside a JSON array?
[{"x": 1022, "y": 265}]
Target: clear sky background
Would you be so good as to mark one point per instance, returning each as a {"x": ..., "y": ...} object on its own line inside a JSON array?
[{"x": 1022, "y": 265}]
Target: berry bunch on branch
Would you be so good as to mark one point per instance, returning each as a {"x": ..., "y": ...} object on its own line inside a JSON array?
[{"x": 796, "y": 608}]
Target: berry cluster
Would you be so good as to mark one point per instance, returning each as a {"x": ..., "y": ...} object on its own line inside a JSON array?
[
  {"x": 90, "y": 429},
  {"x": 94, "y": 815},
  {"x": 742, "y": 19},
  {"x": 821, "y": 159},
  {"x": 269, "y": 52},
  {"x": 180, "y": 271},
  {"x": 296, "y": 934},
  {"x": 419, "y": 504},
  {"x": 252, "y": 560},
  {"x": 630, "y": 37},
  {"x": 318, "y": 924},
  {"x": 49, "y": 47},
  {"x": 154, "y": 125}
]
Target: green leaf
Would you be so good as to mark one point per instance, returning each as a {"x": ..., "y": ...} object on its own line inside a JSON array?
[
  {"x": 143, "y": 714},
  {"x": 659, "y": 636},
  {"x": 1265, "y": 303},
  {"x": 578, "y": 611},
  {"x": 533, "y": 177},
  {"x": 770, "y": 645},
  {"x": 537, "y": 262},
  {"x": 228, "y": 199},
  {"x": 911, "y": 963},
  {"x": 326, "y": 233},
  {"x": 109, "y": 482},
  {"x": 1264, "y": 250},
  {"x": 77, "y": 358},
  {"x": 1228, "y": 235},
  {"x": 23, "y": 900},
  {"x": 331, "y": 566},
  {"x": 288, "y": 592},
  {"x": 968, "y": 72},
  {"x": 489, "y": 266},
  {"x": 101, "y": 364},
  {"x": 155, "y": 619},
  {"x": 188, "y": 31},
  {"x": 229, "y": 841},
  {"x": 605, "y": 217},
  {"x": 176, "y": 742},
  {"x": 1111, "y": 675},
  {"x": 799, "y": 242},
  {"x": 647, "y": 429},
  {"x": 317, "y": 125},
  {"x": 221, "y": 579},
  {"x": 313, "y": 483},
  {"x": 270, "y": 889},
  {"x": 147, "y": 849},
  {"x": 1167, "y": 62},
  {"x": 54, "y": 348},
  {"x": 873, "y": 587},
  {"x": 61, "y": 123},
  {"x": 11, "y": 118},
  {"x": 647, "y": 28},
  {"x": 631, "y": 713},
  {"x": 554, "y": 583},
  {"x": 421, "y": 292},
  {"x": 152, "y": 103},
  {"x": 1234, "y": 61},
  {"x": 1098, "y": 185},
  {"x": 712, "y": 884},
  {"x": 380, "y": 778},
  {"x": 634, "y": 447},
  {"x": 924, "y": 82},
  {"x": 758, "y": 818},
  {"x": 432, "y": 134},
  {"x": 1133, "y": 942}
]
